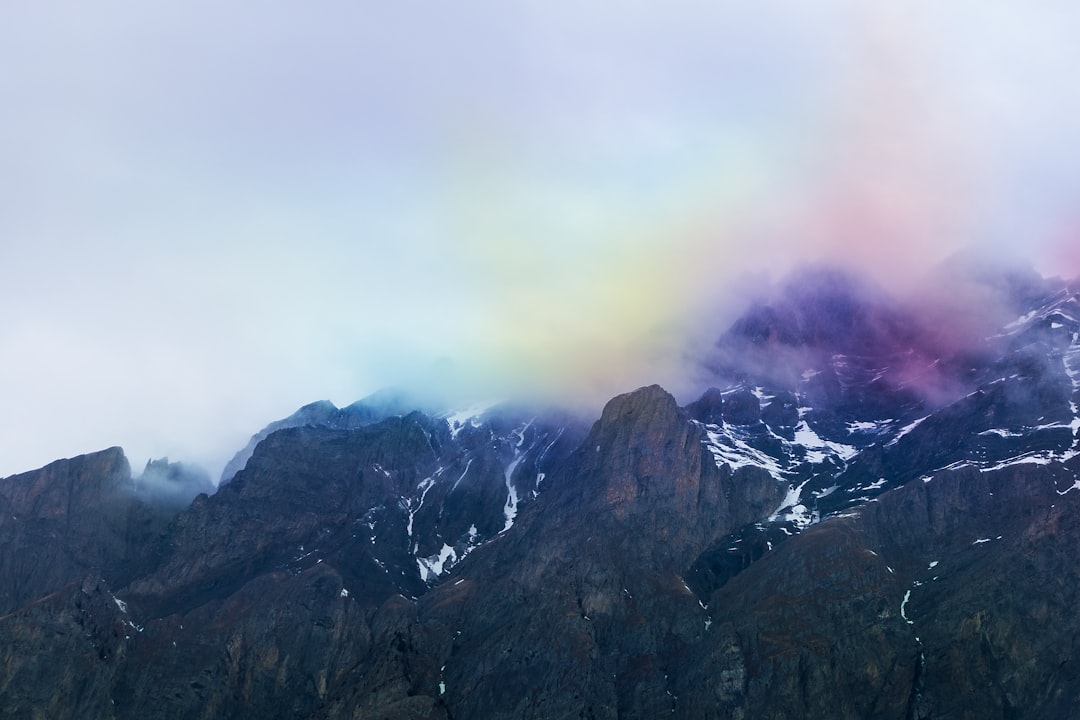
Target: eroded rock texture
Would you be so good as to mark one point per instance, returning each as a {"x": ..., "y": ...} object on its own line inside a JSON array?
[{"x": 864, "y": 530}]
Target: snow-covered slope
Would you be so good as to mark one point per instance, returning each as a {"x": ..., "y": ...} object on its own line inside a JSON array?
[{"x": 1013, "y": 399}]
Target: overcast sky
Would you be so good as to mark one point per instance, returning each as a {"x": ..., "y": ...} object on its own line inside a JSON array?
[{"x": 212, "y": 213}]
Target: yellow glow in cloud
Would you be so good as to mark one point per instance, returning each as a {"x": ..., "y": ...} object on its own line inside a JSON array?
[{"x": 586, "y": 282}]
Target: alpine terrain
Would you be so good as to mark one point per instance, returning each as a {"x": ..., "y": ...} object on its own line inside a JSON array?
[{"x": 871, "y": 510}]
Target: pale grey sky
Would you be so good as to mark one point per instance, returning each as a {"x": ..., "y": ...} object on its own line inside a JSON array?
[{"x": 214, "y": 212}]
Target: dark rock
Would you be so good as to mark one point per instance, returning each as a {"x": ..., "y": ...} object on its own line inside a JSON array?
[
  {"x": 72, "y": 518},
  {"x": 709, "y": 408},
  {"x": 742, "y": 407},
  {"x": 323, "y": 413},
  {"x": 782, "y": 412},
  {"x": 909, "y": 553}
]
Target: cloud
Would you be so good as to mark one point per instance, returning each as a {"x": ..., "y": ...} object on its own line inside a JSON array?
[{"x": 215, "y": 213}]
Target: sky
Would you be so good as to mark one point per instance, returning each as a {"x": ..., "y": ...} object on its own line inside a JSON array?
[{"x": 212, "y": 213}]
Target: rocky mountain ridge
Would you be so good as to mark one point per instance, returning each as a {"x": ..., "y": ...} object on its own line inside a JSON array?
[{"x": 859, "y": 519}]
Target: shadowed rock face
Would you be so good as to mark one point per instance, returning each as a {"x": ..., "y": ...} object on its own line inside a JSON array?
[
  {"x": 71, "y": 518},
  {"x": 709, "y": 408},
  {"x": 831, "y": 549},
  {"x": 584, "y": 609},
  {"x": 325, "y": 414}
]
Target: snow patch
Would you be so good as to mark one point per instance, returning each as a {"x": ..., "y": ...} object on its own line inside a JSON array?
[
  {"x": 904, "y": 431},
  {"x": 1074, "y": 486},
  {"x": 423, "y": 487},
  {"x": 796, "y": 513},
  {"x": 728, "y": 448},
  {"x": 817, "y": 449},
  {"x": 540, "y": 458},
  {"x": 433, "y": 566},
  {"x": 734, "y": 446},
  {"x": 1021, "y": 320},
  {"x": 868, "y": 427},
  {"x": 510, "y": 509},
  {"x": 463, "y": 474},
  {"x": 903, "y": 608},
  {"x": 1002, "y": 433},
  {"x": 458, "y": 420},
  {"x": 1043, "y": 457}
]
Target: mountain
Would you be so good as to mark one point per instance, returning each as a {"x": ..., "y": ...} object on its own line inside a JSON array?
[
  {"x": 323, "y": 413},
  {"x": 872, "y": 512}
]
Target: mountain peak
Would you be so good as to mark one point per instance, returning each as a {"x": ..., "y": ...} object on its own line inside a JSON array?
[{"x": 816, "y": 535}]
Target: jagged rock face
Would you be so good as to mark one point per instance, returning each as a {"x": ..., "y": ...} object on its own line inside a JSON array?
[
  {"x": 742, "y": 408},
  {"x": 842, "y": 546},
  {"x": 938, "y": 603},
  {"x": 645, "y": 464},
  {"x": 61, "y": 653},
  {"x": 594, "y": 618},
  {"x": 297, "y": 579},
  {"x": 709, "y": 408},
  {"x": 394, "y": 503},
  {"x": 325, "y": 414},
  {"x": 71, "y": 518}
]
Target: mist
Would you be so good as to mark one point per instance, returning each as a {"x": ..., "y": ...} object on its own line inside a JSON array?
[
  {"x": 212, "y": 215},
  {"x": 172, "y": 485}
]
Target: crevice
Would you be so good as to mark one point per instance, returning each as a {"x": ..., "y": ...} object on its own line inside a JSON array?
[{"x": 918, "y": 681}]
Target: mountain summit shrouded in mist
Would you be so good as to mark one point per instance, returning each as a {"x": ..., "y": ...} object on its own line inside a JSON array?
[{"x": 868, "y": 512}]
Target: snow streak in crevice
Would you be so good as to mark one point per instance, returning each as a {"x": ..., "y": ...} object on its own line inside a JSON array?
[
  {"x": 796, "y": 512},
  {"x": 540, "y": 459},
  {"x": 424, "y": 486},
  {"x": 510, "y": 509},
  {"x": 463, "y": 474}
]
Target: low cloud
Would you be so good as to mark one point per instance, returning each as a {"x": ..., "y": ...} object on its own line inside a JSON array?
[
  {"x": 562, "y": 202},
  {"x": 172, "y": 484}
]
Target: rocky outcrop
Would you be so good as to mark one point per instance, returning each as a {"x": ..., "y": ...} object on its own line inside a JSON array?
[
  {"x": 323, "y": 413},
  {"x": 742, "y": 408},
  {"x": 584, "y": 608},
  {"x": 61, "y": 653},
  {"x": 709, "y": 408},
  {"x": 782, "y": 414},
  {"x": 71, "y": 518},
  {"x": 833, "y": 545},
  {"x": 289, "y": 583},
  {"x": 925, "y": 604}
]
